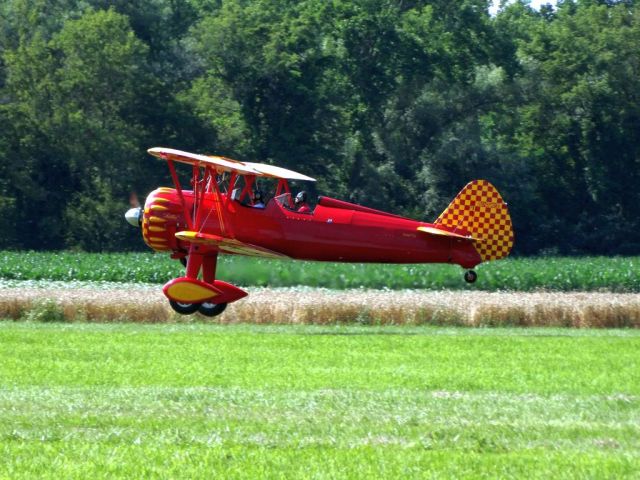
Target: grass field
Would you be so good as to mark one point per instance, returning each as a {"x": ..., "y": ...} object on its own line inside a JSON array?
[
  {"x": 617, "y": 274},
  {"x": 207, "y": 401}
]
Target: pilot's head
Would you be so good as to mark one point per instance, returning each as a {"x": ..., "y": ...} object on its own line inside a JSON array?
[{"x": 301, "y": 197}]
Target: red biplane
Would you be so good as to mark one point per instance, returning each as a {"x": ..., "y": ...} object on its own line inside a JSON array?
[{"x": 220, "y": 213}]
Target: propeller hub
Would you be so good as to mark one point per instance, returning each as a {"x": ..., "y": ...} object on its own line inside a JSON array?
[{"x": 134, "y": 216}]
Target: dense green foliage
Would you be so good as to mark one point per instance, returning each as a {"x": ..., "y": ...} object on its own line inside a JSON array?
[
  {"x": 392, "y": 104},
  {"x": 199, "y": 401},
  {"x": 523, "y": 274}
]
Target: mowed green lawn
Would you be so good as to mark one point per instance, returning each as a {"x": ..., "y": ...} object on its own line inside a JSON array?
[{"x": 208, "y": 401}]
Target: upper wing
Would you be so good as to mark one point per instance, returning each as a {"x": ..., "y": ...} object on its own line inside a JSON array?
[
  {"x": 278, "y": 172},
  {"x": 227, "y": 164},
  {"x": 220, "y": 163},
  {"x": 228, "y": 245}
]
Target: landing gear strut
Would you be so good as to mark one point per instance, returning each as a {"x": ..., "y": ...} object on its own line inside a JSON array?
[
  {"x": 198, "y": 290},
  {"x": 470, "y": 276}
]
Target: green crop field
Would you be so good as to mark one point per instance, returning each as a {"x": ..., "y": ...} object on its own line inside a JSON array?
[
  {"x": 620, "y": 274},
  {"x": 205, "y": 401}
]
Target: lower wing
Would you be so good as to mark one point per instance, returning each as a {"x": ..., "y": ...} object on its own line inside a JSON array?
[{"x": 228, "y": 245}]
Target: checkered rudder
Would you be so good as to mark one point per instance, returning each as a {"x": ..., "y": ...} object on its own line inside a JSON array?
[{"x": 480, "y": 211}]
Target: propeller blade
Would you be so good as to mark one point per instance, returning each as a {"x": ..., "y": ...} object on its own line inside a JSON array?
[{"x": 133, "y": 200}]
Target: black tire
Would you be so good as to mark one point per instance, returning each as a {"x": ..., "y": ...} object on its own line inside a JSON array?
[
  {"x": 209, "y": 309},
  {"x": 184, "y": 308},
  {"x": 470, "y": 276}
]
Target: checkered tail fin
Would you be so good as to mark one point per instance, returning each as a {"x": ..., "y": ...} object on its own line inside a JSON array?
[{"x": 479, "y": 210}]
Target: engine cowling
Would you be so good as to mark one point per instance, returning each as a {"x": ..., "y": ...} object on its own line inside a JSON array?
[{"x": 161, "y": 218}]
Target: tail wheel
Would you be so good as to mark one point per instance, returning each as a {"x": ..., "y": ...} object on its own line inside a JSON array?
[
  {"x": 209, "y": 309},
  {"x": 470, "y": 276},
  {"x": 184, "y": 308}
]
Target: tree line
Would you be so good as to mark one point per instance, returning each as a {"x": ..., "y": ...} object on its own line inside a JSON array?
[{"x": 394, "y": 104}]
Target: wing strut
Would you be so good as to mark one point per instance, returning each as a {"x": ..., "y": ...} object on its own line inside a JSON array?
[
  {"x": 200, "y": 187},
  {"x": 217, "y": 202},
  {"x": 176, "y": 182},
  {"x": 283, "y": 187}
]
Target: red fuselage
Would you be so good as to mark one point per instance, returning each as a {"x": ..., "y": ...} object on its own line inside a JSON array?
[{"x": 335, "y": 231}]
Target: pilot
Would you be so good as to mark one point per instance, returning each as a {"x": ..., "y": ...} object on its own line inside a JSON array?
[
  {"x": 300, "y": 203},
  {"x": 257, "y": 199}
]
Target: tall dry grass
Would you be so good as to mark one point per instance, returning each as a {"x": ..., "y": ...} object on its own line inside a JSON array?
[{"x": 317, "y": 306}]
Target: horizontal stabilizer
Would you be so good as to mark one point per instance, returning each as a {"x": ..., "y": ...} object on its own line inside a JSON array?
[
  {"x": 446, "y": 233},
  {"x": 228, "y": 245}
]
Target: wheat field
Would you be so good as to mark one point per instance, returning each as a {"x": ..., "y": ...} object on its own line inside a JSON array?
[{"x": 146, "y": 304}]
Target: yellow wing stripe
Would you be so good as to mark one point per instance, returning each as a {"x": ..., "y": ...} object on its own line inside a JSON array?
[{"x": 227, "y": 245}]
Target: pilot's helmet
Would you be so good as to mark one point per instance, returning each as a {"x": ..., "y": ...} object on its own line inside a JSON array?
[{"x": 301, "y": 197}]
